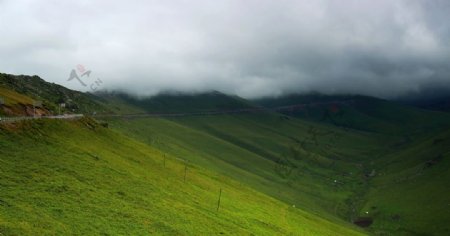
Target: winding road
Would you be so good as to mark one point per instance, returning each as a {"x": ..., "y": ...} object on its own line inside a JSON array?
[
  {"x": 20, "y": 118},
  {"x": 200, "y": 113}
]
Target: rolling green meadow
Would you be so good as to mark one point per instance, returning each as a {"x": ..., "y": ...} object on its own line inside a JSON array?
[
  {"x": 336, "y": 165},
  {"x": 77, "y": 177},
  {"x": 344, "y": 177}
]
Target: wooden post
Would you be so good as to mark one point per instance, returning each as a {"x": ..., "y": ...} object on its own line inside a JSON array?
[
  {"x": 218, "y": 202},
  {"x": 185, "y": 170}
]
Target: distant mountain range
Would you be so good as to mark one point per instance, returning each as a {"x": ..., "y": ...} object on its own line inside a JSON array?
[
  {"x": 50, "y": 96},
  {"x": 432, "y": 98}
]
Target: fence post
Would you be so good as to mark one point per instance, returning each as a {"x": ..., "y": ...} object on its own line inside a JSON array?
[
  {"x": 164, "y": 160},
  {"x": 218, "y": 202},
  {"x": 185, "y": 170}
]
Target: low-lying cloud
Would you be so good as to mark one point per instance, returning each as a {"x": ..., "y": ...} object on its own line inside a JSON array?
[{"x": 250, "y": 48}]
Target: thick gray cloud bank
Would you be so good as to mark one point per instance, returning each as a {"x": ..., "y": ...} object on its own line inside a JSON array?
[{"x": 251, "y": 48}]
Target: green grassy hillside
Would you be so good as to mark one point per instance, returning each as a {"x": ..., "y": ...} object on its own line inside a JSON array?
[
  {"x": 77, "y": 177},
  {"x": 312, "y": 165},
  {"x": 15, "y": 104},
  {"x": 12, "y": 98},
  {"x": 360, "y": 112},
  {"x": 410, "y": 192},
  {"x": 332, "y": 171},
  {"x": 176, "y": 102},
  {"x": 315, "y": 167},
  {"x": 51, "y": 94}
]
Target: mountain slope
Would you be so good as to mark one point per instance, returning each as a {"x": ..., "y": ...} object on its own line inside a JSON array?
[
  {"x": 410, "y": 192},
  {"x": 332, "y": 171},
  {"x": 16, "y": 104},
  {"x": 82, "y": 178},
  {"x": 51, "y": 95},
  {"x": 346, "y": 159},
  {"x": 178, "y": 102},
  {"x": 279, "y": 157},
  {"x": 359, "y": 112}
]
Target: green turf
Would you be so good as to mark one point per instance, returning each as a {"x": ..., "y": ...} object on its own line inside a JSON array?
[
  {"x": 10, "y": 97},
  {"x": 411, "y": 192},
  {"x": 298, "y": 162},
  {"x": 257, "y": 150},
  {"x": 61, "y": 177}
]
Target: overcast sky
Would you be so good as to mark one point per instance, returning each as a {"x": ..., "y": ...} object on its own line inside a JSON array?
[{"x": 251, "y": 48}]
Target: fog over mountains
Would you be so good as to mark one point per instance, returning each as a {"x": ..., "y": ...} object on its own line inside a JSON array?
[{"x": 248, "y": 48}]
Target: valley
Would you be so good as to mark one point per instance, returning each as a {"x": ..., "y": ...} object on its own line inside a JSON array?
[{"x": 157, "y": 165}]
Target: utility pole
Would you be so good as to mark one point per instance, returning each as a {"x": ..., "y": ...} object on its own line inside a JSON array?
[{"x": 218, "y": 202}]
